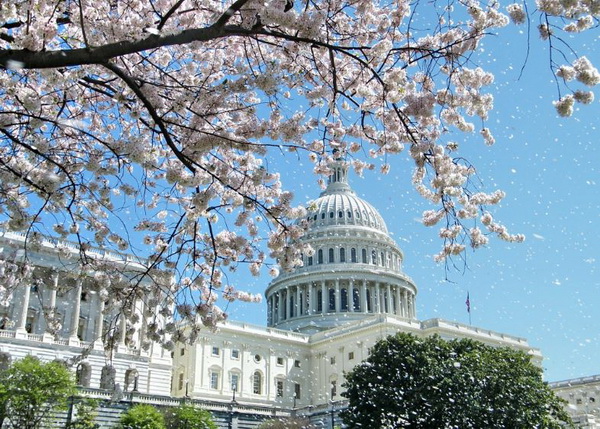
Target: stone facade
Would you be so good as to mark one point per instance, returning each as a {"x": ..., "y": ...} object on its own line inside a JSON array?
[
  {"x": 583, "y": 400},
  {"x": 61, "y": 316}
]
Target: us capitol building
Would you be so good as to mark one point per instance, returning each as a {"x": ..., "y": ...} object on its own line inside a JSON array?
[{"x": 323, "y": 318}]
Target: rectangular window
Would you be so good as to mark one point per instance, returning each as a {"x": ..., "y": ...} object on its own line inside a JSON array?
[
  {"x": 332, "y": 360},
  {"x": 235, "y": 354},
  {"x": 297, "y": 390},
  {"x": 350, "y": 355},
  {"x": 182, "y": 351},
  {"x": 333, "y": 389},
  {"x": 180, "y": 382},
  {"x": 214, "y": 380},
  {"x": 216, "y": 351},
  {"x": 235, "y": 380},
  {"x": 280, "y": 361},
  {"x": 257, "y": 383},
  {"x": 279, "y": 385},
  {"x": 297, "y": 363}
]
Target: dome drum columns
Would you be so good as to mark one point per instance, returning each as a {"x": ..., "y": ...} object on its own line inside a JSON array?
[{"x": 332, "y": 297}]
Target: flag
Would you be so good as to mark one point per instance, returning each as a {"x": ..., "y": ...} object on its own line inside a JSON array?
[{"x": 468, "y": 302}]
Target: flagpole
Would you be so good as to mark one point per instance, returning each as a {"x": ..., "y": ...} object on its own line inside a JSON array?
[{"x": 468, "y": 303}]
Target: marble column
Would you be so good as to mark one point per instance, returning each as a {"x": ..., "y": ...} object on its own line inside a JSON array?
[
  {"x": 50, "y": 309},
  {"x": 22, "y": 319},
  {"x": 99, "y": 323},
  {"x": 279, "y": 305},
  {"x": 73, "y": 329},
  {"x": 363, "y": 297}
]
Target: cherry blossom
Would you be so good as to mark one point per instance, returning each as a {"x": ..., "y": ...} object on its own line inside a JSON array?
[{"x": 145, "y": 128}]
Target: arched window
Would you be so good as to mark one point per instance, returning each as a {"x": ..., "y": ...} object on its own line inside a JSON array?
[
  {"x": 292, "y": 306},
  {"x": 331, "y": 215},
  {"x": 107, "y": 378},
  {"x": 131, "y": 380},
  {"x": 214, "y": 375},
  {"x": 344, "y": 297},
  {"x": 310, "y": 261},
  {"x": 382, "y": 261},
  {"x": 331, "y": 258},
  {"x": 364, "y": 256},
  {"x": 83, "y": 374},
  {"x": 353, "y": 255},
  {"x": 342, "y": 255},
  {"x": 320, "y": 256},
  {"x": 331, "y": 299},
  {"x": 355, "y": 299},
  {"x": 374, "y": 257},
  {"x": 369, "y": 307},
  {"x": 257, "y": 383}
]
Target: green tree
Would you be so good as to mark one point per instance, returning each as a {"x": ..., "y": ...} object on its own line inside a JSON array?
[
  {"x": 189, "y": 417},
  {"x": 410, "y": 382},
  {"x": 142, "y": 416},
  {"x": 286, "y": 423},
  {"x": 31, "y": 390}
]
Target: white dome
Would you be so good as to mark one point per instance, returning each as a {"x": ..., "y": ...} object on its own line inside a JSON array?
[
  {"x": 355, "y": 271},
  {"x": 339, "y": 205}
]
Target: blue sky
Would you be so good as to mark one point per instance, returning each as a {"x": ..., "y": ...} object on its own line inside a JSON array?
[{"x": 546, "y": 289}]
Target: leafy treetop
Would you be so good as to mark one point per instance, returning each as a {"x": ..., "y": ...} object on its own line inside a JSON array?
[
  {"x": 30, "y": 390},
  {"x": 429, "y": 383}
]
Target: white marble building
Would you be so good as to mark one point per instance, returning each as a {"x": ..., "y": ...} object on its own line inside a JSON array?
[
  {"x": 583, "y": 399},
  {"x": 322, "y": 318},
  {"x": 61, "y": 315}
]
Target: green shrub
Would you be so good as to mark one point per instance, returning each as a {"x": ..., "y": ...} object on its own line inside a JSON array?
[
  {"x": 286, "y": 423},
  {"x": 189, "y": 417},
  {"x": 142, "y": 416}
]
